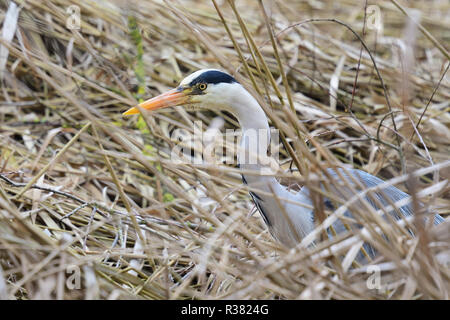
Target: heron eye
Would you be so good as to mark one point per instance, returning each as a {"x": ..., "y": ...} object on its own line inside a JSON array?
[{"x": 202, "y": 86}]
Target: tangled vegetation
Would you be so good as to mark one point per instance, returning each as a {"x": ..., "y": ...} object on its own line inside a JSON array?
[{"x": 92, "y": 206}]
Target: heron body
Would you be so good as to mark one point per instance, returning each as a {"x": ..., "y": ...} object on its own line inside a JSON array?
[{"x": 289, "y": 216}]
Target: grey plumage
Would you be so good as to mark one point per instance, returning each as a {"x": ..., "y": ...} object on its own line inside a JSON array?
[{"x": 384, "y": 197}]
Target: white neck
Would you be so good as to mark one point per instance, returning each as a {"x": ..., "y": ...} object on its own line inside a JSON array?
[
  {"x": 273, "y": 200},
  {"x": 255, "y": 140},
  {"x": 253, "y": 160}
]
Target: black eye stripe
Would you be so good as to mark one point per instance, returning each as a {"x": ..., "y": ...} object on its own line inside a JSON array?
[{"x": 212, "y": 77}]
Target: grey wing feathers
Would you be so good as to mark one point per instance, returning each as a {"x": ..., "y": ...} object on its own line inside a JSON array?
[
  {"x": 383, "y": 196},
  {"x": 258, "y": 202},
  {"x": 369, "y": 181}
]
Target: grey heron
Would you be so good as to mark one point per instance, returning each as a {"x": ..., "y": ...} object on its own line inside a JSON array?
[{"x": 289, "y": 216}]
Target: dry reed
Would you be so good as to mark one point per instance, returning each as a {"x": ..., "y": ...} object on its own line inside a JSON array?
[{"x": 85, "y": 192}]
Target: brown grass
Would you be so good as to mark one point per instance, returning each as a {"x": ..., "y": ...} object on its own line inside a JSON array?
[{"x": 85, "y": 191}]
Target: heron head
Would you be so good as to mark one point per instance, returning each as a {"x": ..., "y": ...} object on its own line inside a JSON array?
[{"x": 203, "y": 88}]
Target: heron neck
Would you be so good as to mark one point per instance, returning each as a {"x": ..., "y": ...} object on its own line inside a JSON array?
[
  {"x": 255, "y": 140},
  {"x": 268, "y": 194}
]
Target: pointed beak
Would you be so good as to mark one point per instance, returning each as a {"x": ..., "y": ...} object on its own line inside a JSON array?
[{"x": 171, "y": 98}]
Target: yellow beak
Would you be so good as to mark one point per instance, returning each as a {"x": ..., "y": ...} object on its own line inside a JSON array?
[{"x": 170, "y": 98}]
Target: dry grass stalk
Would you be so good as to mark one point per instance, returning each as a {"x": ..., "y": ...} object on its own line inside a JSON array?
[{"x": 106, "y": 201}]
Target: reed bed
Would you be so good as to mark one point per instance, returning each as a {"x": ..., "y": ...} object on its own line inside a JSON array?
[{"x": 93, "y": 207}]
